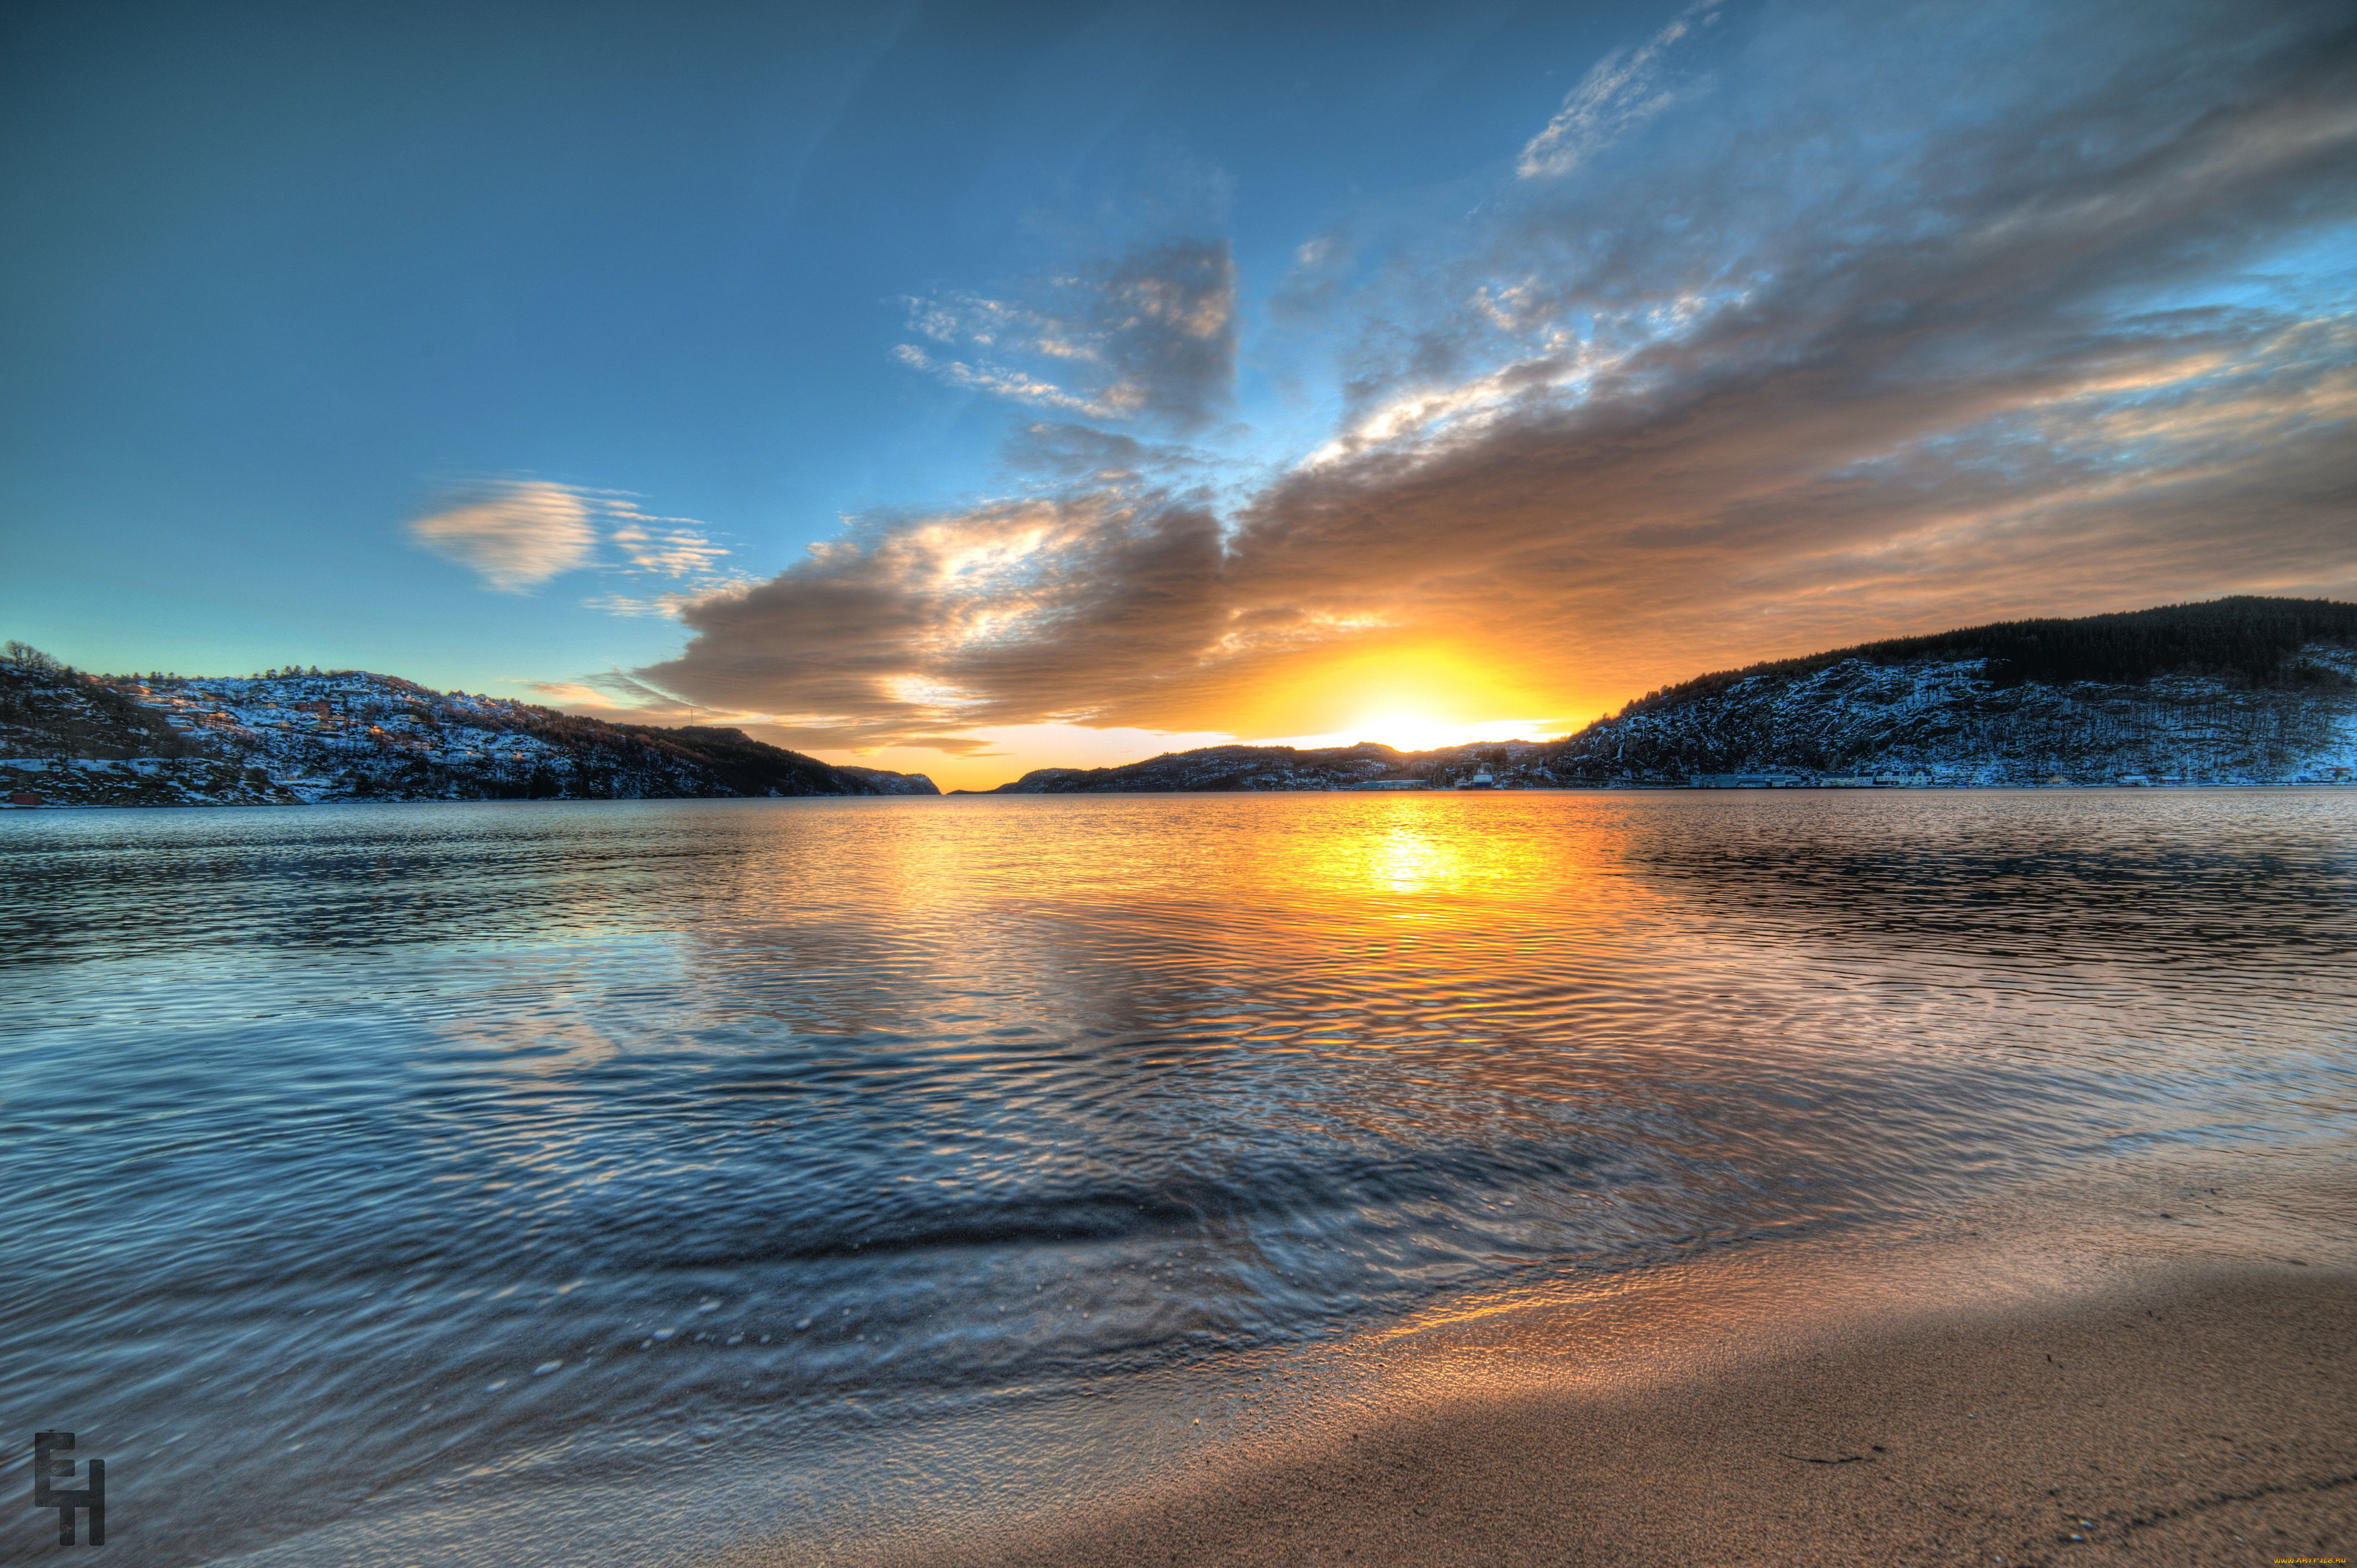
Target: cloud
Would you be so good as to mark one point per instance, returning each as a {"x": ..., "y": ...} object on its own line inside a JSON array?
[
  {"x": 1006, "y": 383},
  {"x": 2033, "y": 348},
  {"x": 574, "y": 694},
  {"x": 620, "y": 699},
  {"x": 519, "y": 532},
  {"x": 2032, "y": 368},
  {"x": 513, "y": 533},
  {"x": 1152, "y": 336},
  {"x": 1622, "y": 91},
  {"x": 1167, "y": 322},
  {"x": 669, "y": 547},
  {"x": 1081, "y": 453},
  {"x": 1310, "y": 286},
  {"x": 950, "y": 623},
  {"x": 630, "y": 606}
]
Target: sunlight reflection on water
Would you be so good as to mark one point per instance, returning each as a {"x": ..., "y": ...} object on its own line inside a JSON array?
[{"x": 366, "y": 1148}]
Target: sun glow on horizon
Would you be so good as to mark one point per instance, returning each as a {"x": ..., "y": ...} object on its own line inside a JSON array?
[
  {"x": 1414, "y": 695},
  {"x": 1404, "y": 729},
  {"x": 1413, "y": 698},
  {"x": 1411, "y": 731}
]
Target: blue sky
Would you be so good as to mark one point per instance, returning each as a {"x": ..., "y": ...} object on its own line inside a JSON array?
[{"x": 1154, "y": 372}]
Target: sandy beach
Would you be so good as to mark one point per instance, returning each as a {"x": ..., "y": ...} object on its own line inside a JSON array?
[
  {"x": 2206, "y": 1418},
  {"x": 2167, "y": 1385}
]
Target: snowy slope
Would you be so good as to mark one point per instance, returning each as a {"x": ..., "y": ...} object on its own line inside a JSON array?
[
  {"x": 81, "y": 740},
  {"x": 1947, "y": 722}
]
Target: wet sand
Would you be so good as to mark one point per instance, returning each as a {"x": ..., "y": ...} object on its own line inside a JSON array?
[
  {"x": 2153, "y": 1365},
  {"x": 2204, "y": 1416}
]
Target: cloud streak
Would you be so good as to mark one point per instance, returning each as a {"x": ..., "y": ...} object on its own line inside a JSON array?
[
  {"x": 2029, "y": 351},
  {"x": 1620, "y": 93},
  {"x": 517, "y": 533},
  {"x": 1151, "y": 337},
  {"x": 511, "y": 534}
]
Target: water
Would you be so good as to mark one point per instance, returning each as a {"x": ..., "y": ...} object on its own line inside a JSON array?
[{"x": 360, "y": 1154}]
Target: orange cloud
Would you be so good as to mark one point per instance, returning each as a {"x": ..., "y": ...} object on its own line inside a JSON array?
[
  {"x": 512, "y": 534},
  {"x": 1652, "y": 423}
]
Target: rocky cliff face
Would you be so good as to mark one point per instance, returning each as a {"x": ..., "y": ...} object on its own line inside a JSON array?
[{"x": 73, "y": 739}]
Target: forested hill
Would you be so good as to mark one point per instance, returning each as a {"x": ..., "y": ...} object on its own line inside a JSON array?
[
  {"x": 69, "y": 738},
  {"x": 2233, "y": 690},
  {"x": 2258, "y": 641}
]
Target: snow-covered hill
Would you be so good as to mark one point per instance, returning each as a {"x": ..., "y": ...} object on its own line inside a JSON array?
[
  {"x": 72, "y": 739},
  {"x": 2238, "y": 691},
  {"x": 1948, "y": 721},
  {"x": 1215, "y": 768},
  {"x": 2242, "y": 690}
]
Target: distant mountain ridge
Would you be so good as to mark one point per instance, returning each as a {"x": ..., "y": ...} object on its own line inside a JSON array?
[
  {"x": 69, "y": 738},
  {"x": 2244, "y": 689}
]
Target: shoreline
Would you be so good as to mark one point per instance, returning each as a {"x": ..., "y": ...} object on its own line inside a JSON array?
[
  {"x": 2200, "y": 1308},
  {"x": 2200, "y": 1418},
  {"x": 1611, "y": 789},
  {"x": 2110, "y": 1393}
]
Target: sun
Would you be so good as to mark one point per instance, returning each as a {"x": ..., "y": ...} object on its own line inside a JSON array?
[
  {"x": 1416, "y": 696},
  {"x": 1404, "y": 729}
]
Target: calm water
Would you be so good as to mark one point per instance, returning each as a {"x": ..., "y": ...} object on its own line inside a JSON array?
[{"x": 363, "y": 1153}]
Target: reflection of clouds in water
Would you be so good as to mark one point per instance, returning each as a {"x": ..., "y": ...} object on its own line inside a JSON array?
[
  {"x": 1162, "y": 1078},
  {"x": 538, "y": 1043},
  {"x": 537, "y": 1012}
]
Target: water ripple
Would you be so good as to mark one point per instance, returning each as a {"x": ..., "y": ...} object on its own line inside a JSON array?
[{"x": 368, "y": 1148}]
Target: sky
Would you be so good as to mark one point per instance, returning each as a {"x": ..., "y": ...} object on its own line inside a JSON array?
[{"x": 971, "y": 389}]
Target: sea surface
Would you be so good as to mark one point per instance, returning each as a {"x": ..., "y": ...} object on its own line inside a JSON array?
[{"x": 378, "y": 1164}]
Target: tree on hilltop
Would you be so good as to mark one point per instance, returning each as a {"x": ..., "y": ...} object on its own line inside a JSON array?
[{"x": 32, "y": 658}]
